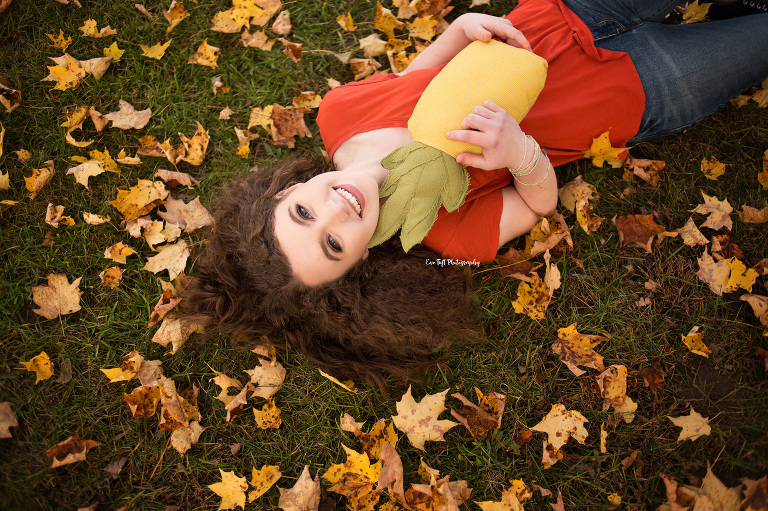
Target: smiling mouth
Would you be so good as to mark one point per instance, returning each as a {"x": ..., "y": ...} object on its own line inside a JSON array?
[{"x": 353, "y": 197}]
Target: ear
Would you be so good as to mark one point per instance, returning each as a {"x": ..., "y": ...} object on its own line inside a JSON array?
[
  {"x": 285, "y": 191},
  {"x": 365, "y": 255}
]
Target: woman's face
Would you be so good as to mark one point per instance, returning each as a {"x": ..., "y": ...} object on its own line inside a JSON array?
[{"x": 323, "y": 226}]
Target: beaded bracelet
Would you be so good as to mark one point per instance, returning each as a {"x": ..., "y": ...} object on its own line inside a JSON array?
[
  {"x": 524, "y": 170},
  {"x": 549, "y": 166}
]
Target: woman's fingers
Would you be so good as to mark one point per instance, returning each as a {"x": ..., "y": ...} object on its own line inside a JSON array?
[{"x": 469, "y": 136}]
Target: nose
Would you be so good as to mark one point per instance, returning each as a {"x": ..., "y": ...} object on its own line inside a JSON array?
[{"x": 336, "y": 209}]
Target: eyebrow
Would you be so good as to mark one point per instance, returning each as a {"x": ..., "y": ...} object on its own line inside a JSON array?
[{"x": 304, "y": 223}]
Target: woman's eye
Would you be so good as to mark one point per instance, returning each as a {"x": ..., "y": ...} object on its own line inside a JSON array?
[
  {"x": 303, "y": 213},
  {"x": 334, "y": 244}
]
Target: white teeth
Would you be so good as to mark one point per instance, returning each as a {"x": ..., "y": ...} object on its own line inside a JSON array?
[{"x": 350, "y": 197}]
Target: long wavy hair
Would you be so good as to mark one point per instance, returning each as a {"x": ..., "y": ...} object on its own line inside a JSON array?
[{"x": 389, "y": 314}]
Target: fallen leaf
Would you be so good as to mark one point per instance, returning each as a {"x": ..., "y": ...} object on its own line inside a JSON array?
[
  {"x": 59, "y": 41},
  {"x": 419, "y": 420},
  {"x": 515, "y": 264},
  {"x": 693, "y": 424},
  {"x": 39, "y": 178},
  {"x": 759, "y": 307},
  {"x": 114, "y": 468},
  {"x": 559, "y": 505},
  {"x": 292, "y": 50},
  {"x": 205, "y": 55},
  {"x": 480, "y": 420},
  {"x": 258, "y": 39},
  {"x": 422, "y": 28},
  {"x": 89, "y": 29},
  {"x": 712, "y": 168},
  {"x": 551, "y": 234},
  {"x": 601, "y": 152},
  {"x": 626, "y": 411},
  {"x": 355, "y": 477},
  {"x": 303, "y": 496},
  {"x": 55, "y": 214},
  {"x": 372, "y": 46},
  {"x": 85, "y": 170},
  {"x": 386, "y": 21},
  {"x": 65, "y": 372},
  {"x": 750, "y": 215},
  {"x": 71, "y": 450},
  {"x": 196, "y": 146},
  {"x": 268, "y": 377},
  {"x": 639, "y": 229},
  {"x": 231, "y": 489},
  {"x": 269, "y": 415},
  {"x": 695, "y": 342},
  {"x": 755, "y": 494},
  {"x": 111, "y": 277},
  {"x": 156, "y": 51},
  {"x": 512, "y": 498},
  {"x": 175, "y": 330},
  {"x": 189, "y": 216},
  {"x": 603, "y": 439},
  {"x": 363, "y": 67},
  {"x": 612, "y": 385},
  {"x": 719, "y": 212},
  {"x": 114, "y": 52},
  {"x": 345, "y": 22},
  {"x": 58, "y": 297},
  {"x": 262, "y": 480},
  {"x": 575, "y": 349},
  {"x": 532, "y": 299},
  {"x": 691, "y": 234},
  {"x": 561, "y": 424},
  {"x": 653, "y": 377},
  {"x": 126, "y": 117},
  {"x": 41, "y": 365},
  {"x": 282, "y": 24},
  {"x": 9, "y": 98},
  {"x": 175, "y": 14},
  {"x": 143, "y": 401},
  {"x": 183, "y": 438},
  {"x": 140, "y": 199},
  {"x": 695, "y": 12},
  {"x": 647, "y": 170},
  {"x": 118, "y": 252},
  {"x": 287, "y": 124}
]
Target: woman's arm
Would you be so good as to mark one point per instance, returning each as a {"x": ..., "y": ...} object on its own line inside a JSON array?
[
  {"x": 465, "y": 29},
  {"x": 504, "y": 145}
]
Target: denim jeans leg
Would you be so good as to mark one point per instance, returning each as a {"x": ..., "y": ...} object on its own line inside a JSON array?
[
  {"x": 690, "y": 71},
  {"x": 607, "y": 18}
]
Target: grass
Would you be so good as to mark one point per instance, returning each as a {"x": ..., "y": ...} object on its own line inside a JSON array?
[{"x": 601, "y": 284}]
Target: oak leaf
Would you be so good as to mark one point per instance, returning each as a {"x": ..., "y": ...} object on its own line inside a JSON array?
[
  {"x": 303, "y": 496},
  {"x": 231, "y": 489},
  {"x": 118, "y": 252},
  {"x": 575, "y": 349},
  {"x": 262, "y": 480},
  {"x": 126, "y": 117},
  {"x": 58, "y": 297},
  {"x": 601, "y": 152},
  {"x": 41, "y": 365},
  {"x": 712, "y": 168},
  {"x": 175, "y": 330},
  {"x": 269, "y": 415},
  {"x": 7, "y": 420},
  {"x": 71, "y": 450},
  {"x": 561, "y": 424},
  {"x": 719, "y": 212},
  {"x": 155, "y": 51},
  {"x": 419, "y": 420},
  {"x": 693, "y": 424}
]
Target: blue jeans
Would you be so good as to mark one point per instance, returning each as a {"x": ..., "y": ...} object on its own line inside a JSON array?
[{"x": 688, "y": 71}]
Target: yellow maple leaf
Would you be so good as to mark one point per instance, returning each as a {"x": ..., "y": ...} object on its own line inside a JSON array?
[
  {"x": 89, "y": 29},
  {"x": 175, "y": 14},
  {"x": 111, "y": 277},
  {"x": 601, "y": 152},
  {"x": 205, "y": 55},
  {"x": 693, "y": 424},
  {"x": 695, "y": 12},
  {"x": 261, "y": 117},
  {"x": 575, "y": 349},
  {"x": 59, "y": 41},
  {"x": 419, "y": 420},
  {"x": 113, "y": 51},
  {"x": 118, "y": 252},
  {"x": 612, "y": 385},
  {"x": 740, "y": 277},
  {"x": 262, "y": 480},
  {"x": 386, "y": 22},
  {"x": 231, "y": 489},
  {"x": 345, "y": 22},
  {"x": 170, "y": 257},
  {"x": 762, "y": 177},
  {"x": 269, "y": 415},
  {"x": 355, "y": 477},
  {"x": 140, "y": 199},
  {"x": 155, "y": 52},
  {"x": 130, "y": 367},
  {"x": 695, "y": 342},
  {"x": 712, "y": 168},
  {"x": 23, "y": 155},
  {"x": 85, "y": 170},
  {"x": 196, "y": 146},
  {"x": 67, "y": 74},
  {"x": 39, "y": 179},
  {"x": 58, "y": 297},
  {"x": 423, "y": 28},
  {"x": 373, "y": 46},
  {"x": 41, "y": 365},
  {"x": 532, "y": 299},
  {"x": 561, "y": 424},
  {"x": 512, "y": 498}
]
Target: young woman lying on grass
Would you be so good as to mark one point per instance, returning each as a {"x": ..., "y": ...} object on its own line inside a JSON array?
[{"x": 290, "y": 246}]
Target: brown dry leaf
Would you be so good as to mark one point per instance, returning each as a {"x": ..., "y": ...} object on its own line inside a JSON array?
[
  {"x": 719, "y": 212},
  {"x": 575, "y": 349},
  {"x": 576, "y": 196},
  {"x": 218, "y": 85},
  {"x": 167, "y": 302},
  {"x": 71, "y": 450},
  {"x": 55, "y": 214},
  {"x": 551, "y": 234},
  {"x": 363, "y": 67},
  {"x": 7, "y": 420},
  {"x": 89, "y": 29},
  {"x": 205, "y": 56},
  {"x": 647, "y": 170},
  {"x": 714, "y": 273},
  {"x": 712, "y": 168},
  {"x": 140, "y": 199},
  {"x": 612, "y": 385},
  {"x": 262, "y": 480},
  {"x": 183, "y": 438},
  {"x": 601, "y": 152},
  {"x": 750, "y": 215},
  {"x": 532, "y": 299},
  {"x": 174, "y": 15},
  {"x": 478, "y": 420},
  {"x": 345, "y": 22},
  {"x": 226, "y": 113},
  {"x": 561, "y": 424},
  {"x": 419, "y": 420},
  {"x": 58, "y": 297},
  {"x": 189, "y": 216},
  {"x": 639, "y": 229},
  {"x": 288, "y": 123},
  {"x": 292, "y": 50},
  {"x": 515, "y": 264},
  {"x": 268, "y": 417},
  {"x": 303, "y": 496},
  {"x": 762, "y": 177},
  {"x": 39, "y": 178},
  {"x": 373, "y": 442},
  {"x": 391, "y": 475},
  {"x": 258, "y": 39},
  {"x": 235, "y": 405},
  {"x": 231, "y": 489},
  {"x": 143, "y": 401},
  {"x": 175, "y": 330},
  {"x": 372, "y": 46},
  {"x": 386, "y": 21},
  {"x": 695, "y": 342},
  {"x": 126, "y": 117},
  {"x": 174, "y": 179},
  {"x": 755, "y": 494},
  {"x": 155, "y": 51},
  {"x": 118, "y": 252},
  {"x": 693, "y": 424},
  {"x": 111, "y": 277},
  {"x": 268, "y": 377},
  {"x": 512, "y": 498},
  {"x": 691, "y": 234},
  {"x": 9, "y": 98},
  {"x": 355, "y": 477},
  {"x": 759, "y": 307},
  {"x": 653, "y": 376},
  {"x": 282, "y": 24},
  {"x": 41, "y": 365}
]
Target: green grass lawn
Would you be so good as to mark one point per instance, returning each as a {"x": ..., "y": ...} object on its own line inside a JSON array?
[{"x": 601, "y": 284}]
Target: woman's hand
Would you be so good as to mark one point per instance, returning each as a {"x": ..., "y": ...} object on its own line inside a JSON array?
[
  {"x": 496, "y": 132},
  {"x": 482, "y": 27}
]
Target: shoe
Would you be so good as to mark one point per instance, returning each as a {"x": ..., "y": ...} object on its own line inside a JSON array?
[{"x": 721, "y": 10}]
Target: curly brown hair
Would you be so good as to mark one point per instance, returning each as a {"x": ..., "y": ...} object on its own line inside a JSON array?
[{"x": 388, "y": 315}]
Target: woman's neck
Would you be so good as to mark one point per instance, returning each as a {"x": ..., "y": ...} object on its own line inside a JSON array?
[{"x": 364, "y": 151}]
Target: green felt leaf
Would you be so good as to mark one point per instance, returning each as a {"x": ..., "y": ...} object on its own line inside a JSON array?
[{"x": 421, "y": 178}]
